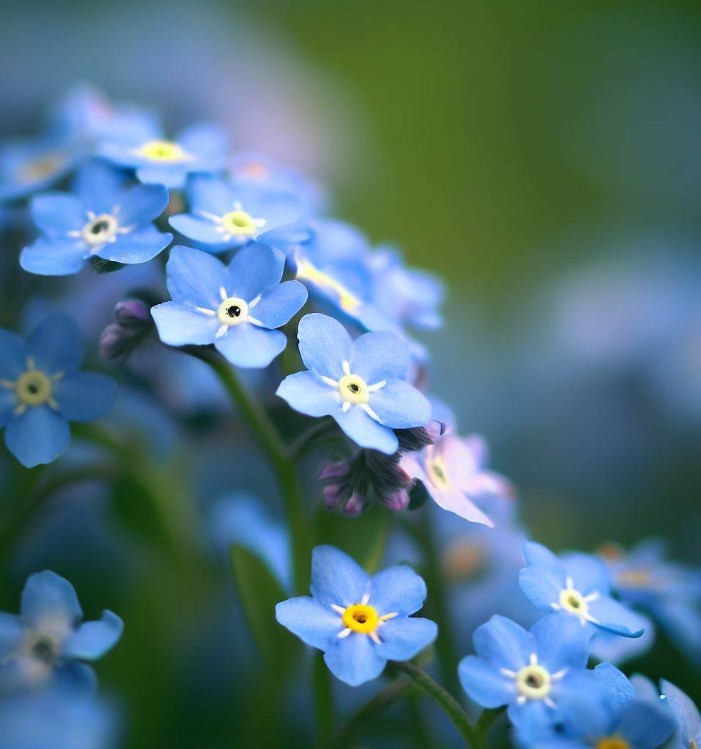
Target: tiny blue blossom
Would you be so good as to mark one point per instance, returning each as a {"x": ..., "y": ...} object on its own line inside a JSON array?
[
  {"x": 41, "y": 390},
  {"x": 227, "y": 214},
  {"x": 360, "y": 383},
  {"x": 575, "y": 585},
  {"x": 528, "y": 671},
  {"x": 236, "y": 307},
  {"x": 48, "y": 639},
  {"x": 103, "y": 218},
  {"x": 358, "y": 621},
  {"x": 686, "y": 716}
]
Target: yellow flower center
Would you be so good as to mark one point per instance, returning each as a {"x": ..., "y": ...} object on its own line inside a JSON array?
[
  {"x": 34, "y": 388},
  {"x": 346, "y": 300},
  {"x": 533, "y": 682},
  {"x": 42, "y": 167},
  {"x": 613, "y": 742},
  {"x": 100, "y": 230},
  {"x": 239, "y": 223},
  {"x": 163, "y": 150},
  {"x": 353, "y": 389},
  {"x": 232, "y": 311},
  {"x": 573, "y": 601},
  {"x": 361, "y": 618},
  {"x": 437, "y": 473}
]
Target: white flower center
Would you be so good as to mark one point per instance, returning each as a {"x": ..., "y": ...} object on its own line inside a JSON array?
[
  {"x": 575, "y": 603},
  {"x": 352, "y": 390},
  {"x": 232, "y": 311},
  {"x": 100, "y": 230},
  {"x": 533, "y": 682}
]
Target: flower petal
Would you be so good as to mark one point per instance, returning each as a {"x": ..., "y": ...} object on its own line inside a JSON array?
[
  {"x": 54, "y": 257},
  {"x": 588, "y": 573},
  {"x": 503, "y": 643},
  {"x": 615, "y": 617},
  {"x": 85, "y": 396},
  {"x": 306, "y": 394},
  {"x": 202, "y": 230},
  {"x": 56, "y": 345},
  {"x": 314, "y": 624},
  {"x": 354, "y": 659},
  {"x": 179, "y": 325},
  {"x": 48, "y": 598},
  {"x": 195, "y": 277},
  {"x": 380, "y": 356},
  {"x": 561, "y": 643},
  {"x": 38, "y": 436},
  {"x": 336, "y": 578},
  {"x": 11, "y": 635},
  {"x": 685, "y": 711},
  {"x": 279, "y": 305},
  {"x": 55, "y": 214},
  {"x": 141, "y": 204},
  {"x": 398, "y": 590},
  {"x": 254, "y": 269},
  {"x": 403, "y": 638},
  {"x": 324, "y": 345},
  {"x": 138, "y": 246},
  {"x": 249, "y": 346},
  {"x": 98, "y": 185},
  {"x": 453, "y": 500},
  {"x": 401, "y": 406},
  {"x": 210, "y": 194},
  {"x": 13, "y": 355},
  {"x": 93, "y": 639},
  {"x": 484, "y": 683},
  {"x": 365, "y": 431}
]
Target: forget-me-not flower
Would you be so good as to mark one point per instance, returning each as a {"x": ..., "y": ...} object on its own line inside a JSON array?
[
  {"x": 359, "y": 621},
  {"x": 686, "y": 716},
  {"x": 235, "y": 307},
  {"x": 102, "y": 218},
  {"x": 226, "y": 214},
  {"x": 360, "y": 383},
  {"x": 575, "y": 585},
  {"x": 528, "y": 671},
  {"x": 41, "y": 390},
  {"x": 49, "y": 638}
]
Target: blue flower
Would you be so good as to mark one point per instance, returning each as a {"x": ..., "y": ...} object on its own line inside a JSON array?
[
  {"x": 48, "y": 639},
  {"x": 529, "y": 671},
  {"x": 102, "y": 219},
  {"x": 360, "y": 622},
  {"x": 686, "y": 716},
  {"x": 197, "y": 149},
  {"x": 235, "y": 307},
  {"x": 41, "y": 390},
  {"x": 360, "y": 383},
  {"x": 576, "y": 585},
  {"x": 227, "y": 214}
]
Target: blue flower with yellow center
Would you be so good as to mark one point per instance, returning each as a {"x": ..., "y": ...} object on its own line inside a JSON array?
[
  {"x": 41, "y": 390},
  {"x": 358, "y": 621}
]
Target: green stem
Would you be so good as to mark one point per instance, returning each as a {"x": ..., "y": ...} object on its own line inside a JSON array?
[
  {"x": 484, "y": 723},
  {"x": 445, "y": 700},
  {"x": 323, "y": 698},
  {"x": 319, "y": 430}
]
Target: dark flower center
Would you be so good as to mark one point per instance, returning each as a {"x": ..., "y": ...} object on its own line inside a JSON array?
[{"x": 233, "y": 311}]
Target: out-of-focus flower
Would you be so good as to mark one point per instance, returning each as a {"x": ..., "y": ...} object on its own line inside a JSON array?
[
  {"x": 235, "y": 307},
  {"x": 102, "y": 219},
  {"x": 686, "y": 716},
  {"x": 226, "y": 214},
  {"x": 41, "y": 390},
  {"x": 360, "y": 622},
  {"x": 575, "y": 585},
  {"x": 132, "y": 323},
  {"x": 48, "y": 639},
  {"x": 360, "y": 383},
  {"x": 529, "y": 671},
  {"x": 453, "y": 473}
]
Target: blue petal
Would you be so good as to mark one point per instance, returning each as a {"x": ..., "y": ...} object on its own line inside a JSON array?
[
  {"x": 211, "y": 195},
  {"x": 561, "y": 642},
  {"x": 37, "y": 437},
  {"x": 503, "y": 643},
  {"x": 8, "y": 404},
  {"x": 76, "y": 678},
  {"x": 93, "y": 639},
  {"x": 55, "y": 214},
  {"x": 179, "y": 325},
  {"x": 588, "y": 572},
  {"x": 484, "y": 683},
  {"x": 544, "y": 577},
  {"x": 11, "y": 635},
  {"x": 250, "y": 346},
  {"x": 47, "y": 597},
  {"x": 607, "y": 646},
  {"x": 13, "y": 355},
  {"x": 336, "y": 578},
  {"x": 195, "y": 277},
  {"x": 403, "y": 638},
  {"x": 279, "y": 305},
  {"x": 141, "y": 204},
  {"x": 171, "y": 176},
  {"x": 324, "y": 345},
  {"x": 314, "y": 624},
  {"x": 85, "y": 396},
  {"x": 202, "y": 230},
  {"x": 306, "y": 394},
  {"x": 254, "y": 269},
  {"x": 619, "y": 690},
  {"x": 204, "y": 138},
  {"x": 398, "y": 590},
  {"x": 138, "y": 246},
  {"x": 684, "y": 710},
  {"x": 401, "y": 406},
  {"x": 380, "y": 356},
  {"x": 365, "y": 431},
  {"x": 54, "y": 257},
  {"x": 354, "y": 660},
  {"x": 615, "y": 617},
  {"x": 56, "y": 344},
  {"x": 98, "y": 185},
  {"x": 644, "y": 725}
]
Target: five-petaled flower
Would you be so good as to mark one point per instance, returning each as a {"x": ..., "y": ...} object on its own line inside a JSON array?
[
  {"x": 359, "y": 621},
  {"x": 360, "y": 383},
  {"x": 41, "y": 390}
]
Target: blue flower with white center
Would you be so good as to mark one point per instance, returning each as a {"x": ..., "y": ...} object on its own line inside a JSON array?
[
  {"x": 236, "y": 307},
  {"x": 197, "y": 149},
  {"x": 103, "y": 218},
  {"x": 575, "y": 585},
  {"x": 41, "y": 390},
  {"x": 227, "y": 214},
  {"x": 360, "y": 383},
  {"x": 49, "y": 639},
  {"x": 686, "y": 716},
  {"x": 529, "y": 671},
  {"x": 358, "y": 621}
]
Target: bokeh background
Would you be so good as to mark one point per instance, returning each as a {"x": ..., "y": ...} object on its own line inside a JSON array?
[{"x": 543, "y": 157}]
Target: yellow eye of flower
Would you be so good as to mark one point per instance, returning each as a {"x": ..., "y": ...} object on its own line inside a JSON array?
[
  {"x": 34, "y": 388},
  {"x": 533, "y": 682},
  {"x": 613, "y": 742},
  {"x": 163, "y": 150},
  {"x": 573, "y": 601},
  {"x": 232, "y": 311},
  {"x": 239, "y": 223},
  {"x": 361, "y": 618},
  {"x": 353, "y": 389}
]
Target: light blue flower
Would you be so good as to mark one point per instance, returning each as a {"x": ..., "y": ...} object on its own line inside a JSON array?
[
  {"x": 197, "y": 149},
  {"x": 360, "y": 622},
  {"x": 235, "y": 307},
  {"x": 49, "y": 639},
  {"x": 575, "y": 585},
  {"x": 226, "y": 214},
  {"x": 529, "y": 671},
  {"x": 102, "y": 218},
  {"x": 686, "y": 716},
  {"x": 41, "y": 390},
  {"x": 360, "y": 383}
]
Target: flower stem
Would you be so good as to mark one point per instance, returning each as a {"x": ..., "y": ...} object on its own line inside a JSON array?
[
  {"x": 323, "y": 697},
  {"x": 320, "y": 429},
  {"x": 484, "y": 723}
]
